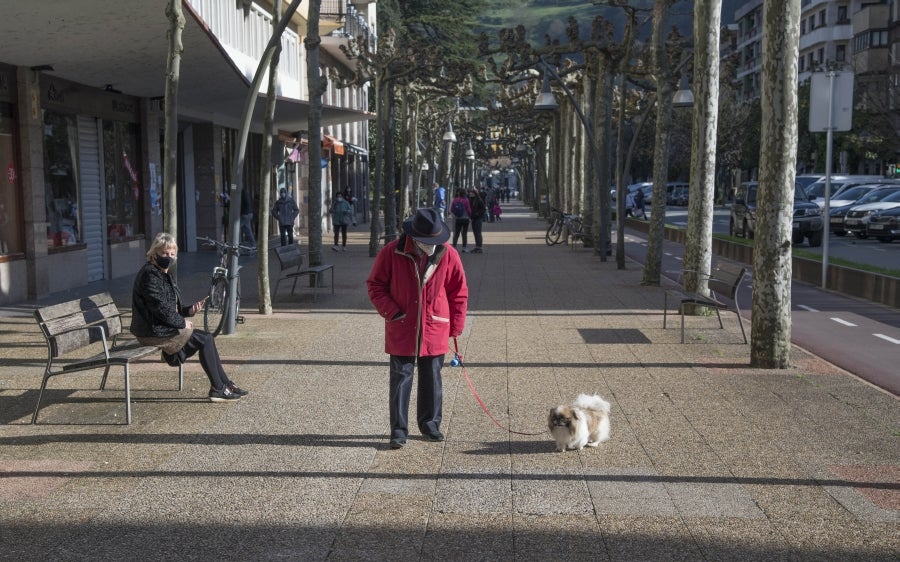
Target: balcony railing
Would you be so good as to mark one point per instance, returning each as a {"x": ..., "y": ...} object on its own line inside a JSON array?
[{"x": 354, "y": 24}]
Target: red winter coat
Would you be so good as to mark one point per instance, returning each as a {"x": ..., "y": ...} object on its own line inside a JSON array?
[{"x": 432, "y": 311}]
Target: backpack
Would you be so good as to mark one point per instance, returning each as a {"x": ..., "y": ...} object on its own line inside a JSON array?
[{"x": 459, "y": 210}]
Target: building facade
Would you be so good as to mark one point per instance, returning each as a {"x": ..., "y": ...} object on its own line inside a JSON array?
[{"x": 81, "y": 129}]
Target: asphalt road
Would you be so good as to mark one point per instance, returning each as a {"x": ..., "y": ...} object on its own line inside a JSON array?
[
  {"x": 860, "y": 337},
  {"x": 868, "y": 252}
]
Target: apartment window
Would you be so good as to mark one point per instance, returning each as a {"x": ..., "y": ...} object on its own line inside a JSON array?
[
  {"x": 821, "y": 55},
  {"x": 822, "y": 18},
  {"x": 809, "y": 61},
  {"x": 842, "y": 14},
  {"x": 122, "y": 174},
  {"x": 870, "y": 39},
  {"x": 840, "y": 53},
  {"x": 61, "y": 179},
  {"x": 802, "y": 27}
]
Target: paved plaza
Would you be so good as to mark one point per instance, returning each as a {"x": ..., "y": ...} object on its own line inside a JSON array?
[{"x": 709, "y": 459}]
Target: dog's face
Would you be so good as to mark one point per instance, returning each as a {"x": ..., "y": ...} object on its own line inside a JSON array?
[{"x": 562, "y": 418}]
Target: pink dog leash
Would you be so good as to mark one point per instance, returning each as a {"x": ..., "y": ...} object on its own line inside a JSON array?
[{"x": 478, "y": 399}]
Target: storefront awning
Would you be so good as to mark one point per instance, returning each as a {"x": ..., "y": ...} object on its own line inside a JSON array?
[{"x": 333, "y": 144}]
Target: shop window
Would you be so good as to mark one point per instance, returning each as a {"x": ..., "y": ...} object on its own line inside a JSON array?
[
  {"x": 10, "y": 218},
  {"x": 61, "y": 179},
  {"x": 122, "y": 178}
]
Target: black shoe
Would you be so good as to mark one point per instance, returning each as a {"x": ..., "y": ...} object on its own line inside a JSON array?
[
  {"x": 224, "y": 395},
  {"x": 237, "y": 390},
  {"x": 437, "y": 436},
  {"x": 398, "y": 443}
]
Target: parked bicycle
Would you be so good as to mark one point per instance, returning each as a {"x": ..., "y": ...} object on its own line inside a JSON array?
[
  {"x": 215, "y": 309},
  {"x": 564, "y": 223}
]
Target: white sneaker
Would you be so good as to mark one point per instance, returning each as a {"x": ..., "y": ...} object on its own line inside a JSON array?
[
  {"x": 343, "y": 248},
  {"x": 334, "y": 249}
]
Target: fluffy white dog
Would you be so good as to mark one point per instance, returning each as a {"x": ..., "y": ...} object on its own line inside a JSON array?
[{"x": 585, "y": 422}]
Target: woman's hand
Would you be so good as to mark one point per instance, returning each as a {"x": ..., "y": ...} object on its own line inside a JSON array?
[{"x": 198, "y": 306}]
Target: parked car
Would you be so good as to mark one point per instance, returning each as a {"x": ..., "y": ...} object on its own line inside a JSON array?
[
  {"x": 816, "y": 190},
  {"x": 848, "y": 195},
  {"x": 885, "y": 225},
  {"x": 807, "y": 179},
  {"x": 807, "y": 223},
  {"x": 837, "y": 214},
  {"x": 678, "y": 197},
  {"x": 857, "y": 218}
]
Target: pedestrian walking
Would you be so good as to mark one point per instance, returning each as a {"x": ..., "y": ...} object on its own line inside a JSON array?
[
  {"x": 496, "y": 211},
  {"x": 479, "y": 210},
  {"x": 462, "y": 211},
  {"x": 247, "y": 219},
  {"x": 639, "y": 203},
  {"x": 159, "y": 318},
  {"x": 439, "y": 200},
  {"x": 285, "y": 212},
  {"x": 341, "y": 216},
  {"x": 418, "y": 286}
]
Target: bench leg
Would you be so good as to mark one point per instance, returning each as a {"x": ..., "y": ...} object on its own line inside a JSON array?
[
  {"x": 721, "y": 326},
  {"x": 127, "y": 395},
  {"x": 681, "y": 310},
  {"x": 103, "y": 380},
  {"x": 180, "y": 377},
  {"x": 332, "y": 280},
  {"x": 40, "y": 395},
  {"x": 665, "y": 308},
  {"x": 741, "y": 322}
]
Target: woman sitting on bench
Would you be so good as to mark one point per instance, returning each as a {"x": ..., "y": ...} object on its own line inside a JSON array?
[{"x": 158, "y": 318}]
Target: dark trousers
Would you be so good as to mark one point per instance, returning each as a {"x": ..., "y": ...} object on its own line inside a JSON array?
[
  {"x": 287, "y": 234},
  {"x": 476, "y": 231},
  {"x": 203, "y": 342},
  {"x": 461, "y": 225},
  {"x": 340, "y": 229},
  {"x": 429, "y": 405}
]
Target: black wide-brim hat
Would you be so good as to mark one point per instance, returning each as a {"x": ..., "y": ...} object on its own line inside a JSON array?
[{"x": 427, "y": 227}]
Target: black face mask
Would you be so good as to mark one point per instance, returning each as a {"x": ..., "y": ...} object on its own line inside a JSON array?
[{"x": 164, "y": 261}]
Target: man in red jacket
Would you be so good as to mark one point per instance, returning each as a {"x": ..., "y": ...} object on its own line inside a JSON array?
[{"x": 418, "y": 285}]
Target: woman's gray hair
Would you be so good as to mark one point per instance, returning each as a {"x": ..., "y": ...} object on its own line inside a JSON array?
[{"x": 161, "y": 241}]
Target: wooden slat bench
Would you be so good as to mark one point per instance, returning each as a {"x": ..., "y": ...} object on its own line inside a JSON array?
[
  {"x": 83, "y": 323},
  {"x": 724, "y": 280},
  {"x": 290, "y": 262}
]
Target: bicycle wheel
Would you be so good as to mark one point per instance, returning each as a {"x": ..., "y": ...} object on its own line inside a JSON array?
[
  {"x": 554, "y": 232},
  {"x": 214, "y": 311},
  {"x": 576, "y": 229}
]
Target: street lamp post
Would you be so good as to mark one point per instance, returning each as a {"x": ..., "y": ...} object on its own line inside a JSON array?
[
  {"x": 470, "y": 167},
  {"x": 547, "y": 102},
  {"x": 449, "y": 139}
]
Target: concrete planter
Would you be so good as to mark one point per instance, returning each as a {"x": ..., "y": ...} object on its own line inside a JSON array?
[{"x": 866, "y": 285}]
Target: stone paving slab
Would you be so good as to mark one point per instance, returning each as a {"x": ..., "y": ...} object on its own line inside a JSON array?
[{"x": 708, "y": 459}]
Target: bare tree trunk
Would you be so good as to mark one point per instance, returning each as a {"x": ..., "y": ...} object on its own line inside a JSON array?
[
  {"x": 390, "y": 198},
  {"x": 653, "y": 262},
  {"x": 375, "y": 226},
  {"x": 771, "y": 320},
  {"x": 237, "y": 171},
  {"x": 603, "y": 137},
  {"x": 173, "y": 75},
  {"x": 265, "y": 175},
  {"x": 701, "y": 205},
  {"x": 316, "y": 89},
  {"x": 407, "y": 143},
  {"x": 622, "y": 164}
]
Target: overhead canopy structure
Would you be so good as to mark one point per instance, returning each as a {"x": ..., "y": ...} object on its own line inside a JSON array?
[{"x": 124, "y": 46}]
